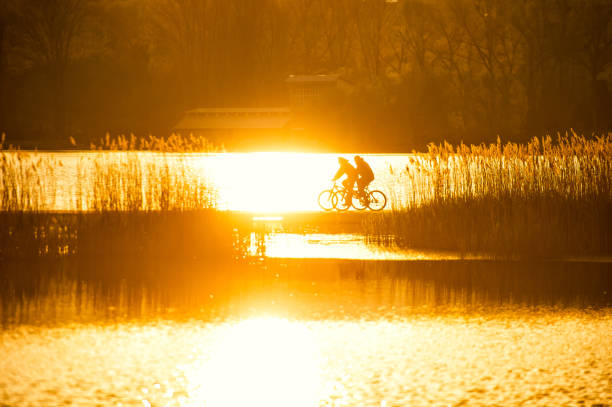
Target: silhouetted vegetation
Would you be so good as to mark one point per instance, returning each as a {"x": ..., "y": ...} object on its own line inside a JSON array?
[
  {"x": 105, "y": 181},
  {"x": 123, "y": 204},
  {"x": 176, "y": 143},
  {"x": 540, "y": 199},
  {"x": 412, "y": 71}
]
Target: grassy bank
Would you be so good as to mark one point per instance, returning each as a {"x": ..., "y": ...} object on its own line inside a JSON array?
[{"x": 541, "y": 199}]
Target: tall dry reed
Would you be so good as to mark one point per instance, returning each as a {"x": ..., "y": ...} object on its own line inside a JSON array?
[
  {"x": 175, "y": 143},
  {"x": 122, "y": 203},
  {"x": 104, "y": 181},
  {"x": 542, "y": 199},
  {"x": 26, "y": 179},
  {"x": 134, "y": 181},
  {"x": 572, "y": 167}
]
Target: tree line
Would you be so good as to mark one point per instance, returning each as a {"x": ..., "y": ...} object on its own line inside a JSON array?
[{"x": 411, "y": 71}]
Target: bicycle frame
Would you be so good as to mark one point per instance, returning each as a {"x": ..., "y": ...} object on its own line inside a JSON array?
[
  {"x": 343, "y": 190},
  {"x": 338, "y": 193}
]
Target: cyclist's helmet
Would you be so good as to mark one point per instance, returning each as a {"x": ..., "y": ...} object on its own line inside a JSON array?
[{"x": 358, "y": 159}]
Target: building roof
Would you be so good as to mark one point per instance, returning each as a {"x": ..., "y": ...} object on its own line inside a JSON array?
[
  {"x": 239, "y": 110},
  {"x": 311, "y": 78},
  {"x": 235, "y": 118}
]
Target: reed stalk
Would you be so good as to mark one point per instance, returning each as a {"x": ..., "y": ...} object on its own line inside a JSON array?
[
  {"x": 175, "y": 143},
  {"x": 123, "y": 203},
  {"x": 540, "y": 199}
]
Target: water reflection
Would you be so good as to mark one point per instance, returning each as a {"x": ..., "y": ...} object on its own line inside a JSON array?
[
  {"x": 292, "y": 288},
  {"x": 305, "y": 332},
  {"x": 328, "y": 236},
  {"x": 340, "y": 246}
]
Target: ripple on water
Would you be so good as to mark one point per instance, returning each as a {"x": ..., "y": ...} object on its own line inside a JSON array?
[{"x": 506, "y": 359}]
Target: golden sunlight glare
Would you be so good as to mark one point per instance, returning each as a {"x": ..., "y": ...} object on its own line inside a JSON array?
[{"x": 261, "y": 362}]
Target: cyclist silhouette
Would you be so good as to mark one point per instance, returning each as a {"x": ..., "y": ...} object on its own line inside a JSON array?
[
  {"x": 351, "y": 176},
  {"x": 365, "y": 175}
]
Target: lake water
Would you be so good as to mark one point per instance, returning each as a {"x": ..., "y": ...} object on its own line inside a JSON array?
[
  {"x": 317, "y": 332},
  {"x": 311, "y": 313}
]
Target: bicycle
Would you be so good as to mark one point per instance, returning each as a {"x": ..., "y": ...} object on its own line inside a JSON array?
[
  {"x": 374, "y": 200},
  {"x": 328, "y": 198},
  {"x": 335, "y": 198}
]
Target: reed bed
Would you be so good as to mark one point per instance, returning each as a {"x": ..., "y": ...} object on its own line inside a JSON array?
[
  {"x": 132, "y": 181},
  {"x": 122, "y": 203},
  {"x": 105, "y": 181},
  {"x": 175, "y": 143},
  {"x": 541, "y": 199}
]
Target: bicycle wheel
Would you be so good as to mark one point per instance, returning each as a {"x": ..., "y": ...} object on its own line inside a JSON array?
[
  {"x": 340, "y": 201},
  {"x": 327, "y": 200},
  {"x": 378, "y": 200},
  {"x": 359, "y": 203}
]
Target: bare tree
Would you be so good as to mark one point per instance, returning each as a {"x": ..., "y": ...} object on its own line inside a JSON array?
[
  {"x": 492, "y": 53},
  {"x": 45, "y": 36},
  {"x": 531, "y": 19},
  {"x": 180, "y": 38},
  {"x": 272, "y": 52},
  {"x": 372, "y": 20},
  {"x": 4, "y": 21},
  {"x": 596, "y": 49},
  {"x": 452, "y": 68},
  {"x": 322, "y": 34},
  {"x": 217, "y": 49},
  {"x": 414, "y": 36},
  {"x": 338, "y": 34},
  {"x": 307, "y": 29}
]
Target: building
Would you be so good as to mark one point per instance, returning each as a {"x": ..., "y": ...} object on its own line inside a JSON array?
[
  {"x": 237, "y": 128},
  {"x": 259, "y": 128},
  {"x": 307, "y": 91}
]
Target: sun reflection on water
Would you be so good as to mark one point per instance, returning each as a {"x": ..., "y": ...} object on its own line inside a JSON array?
[{"x": 263, "y": 361}]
